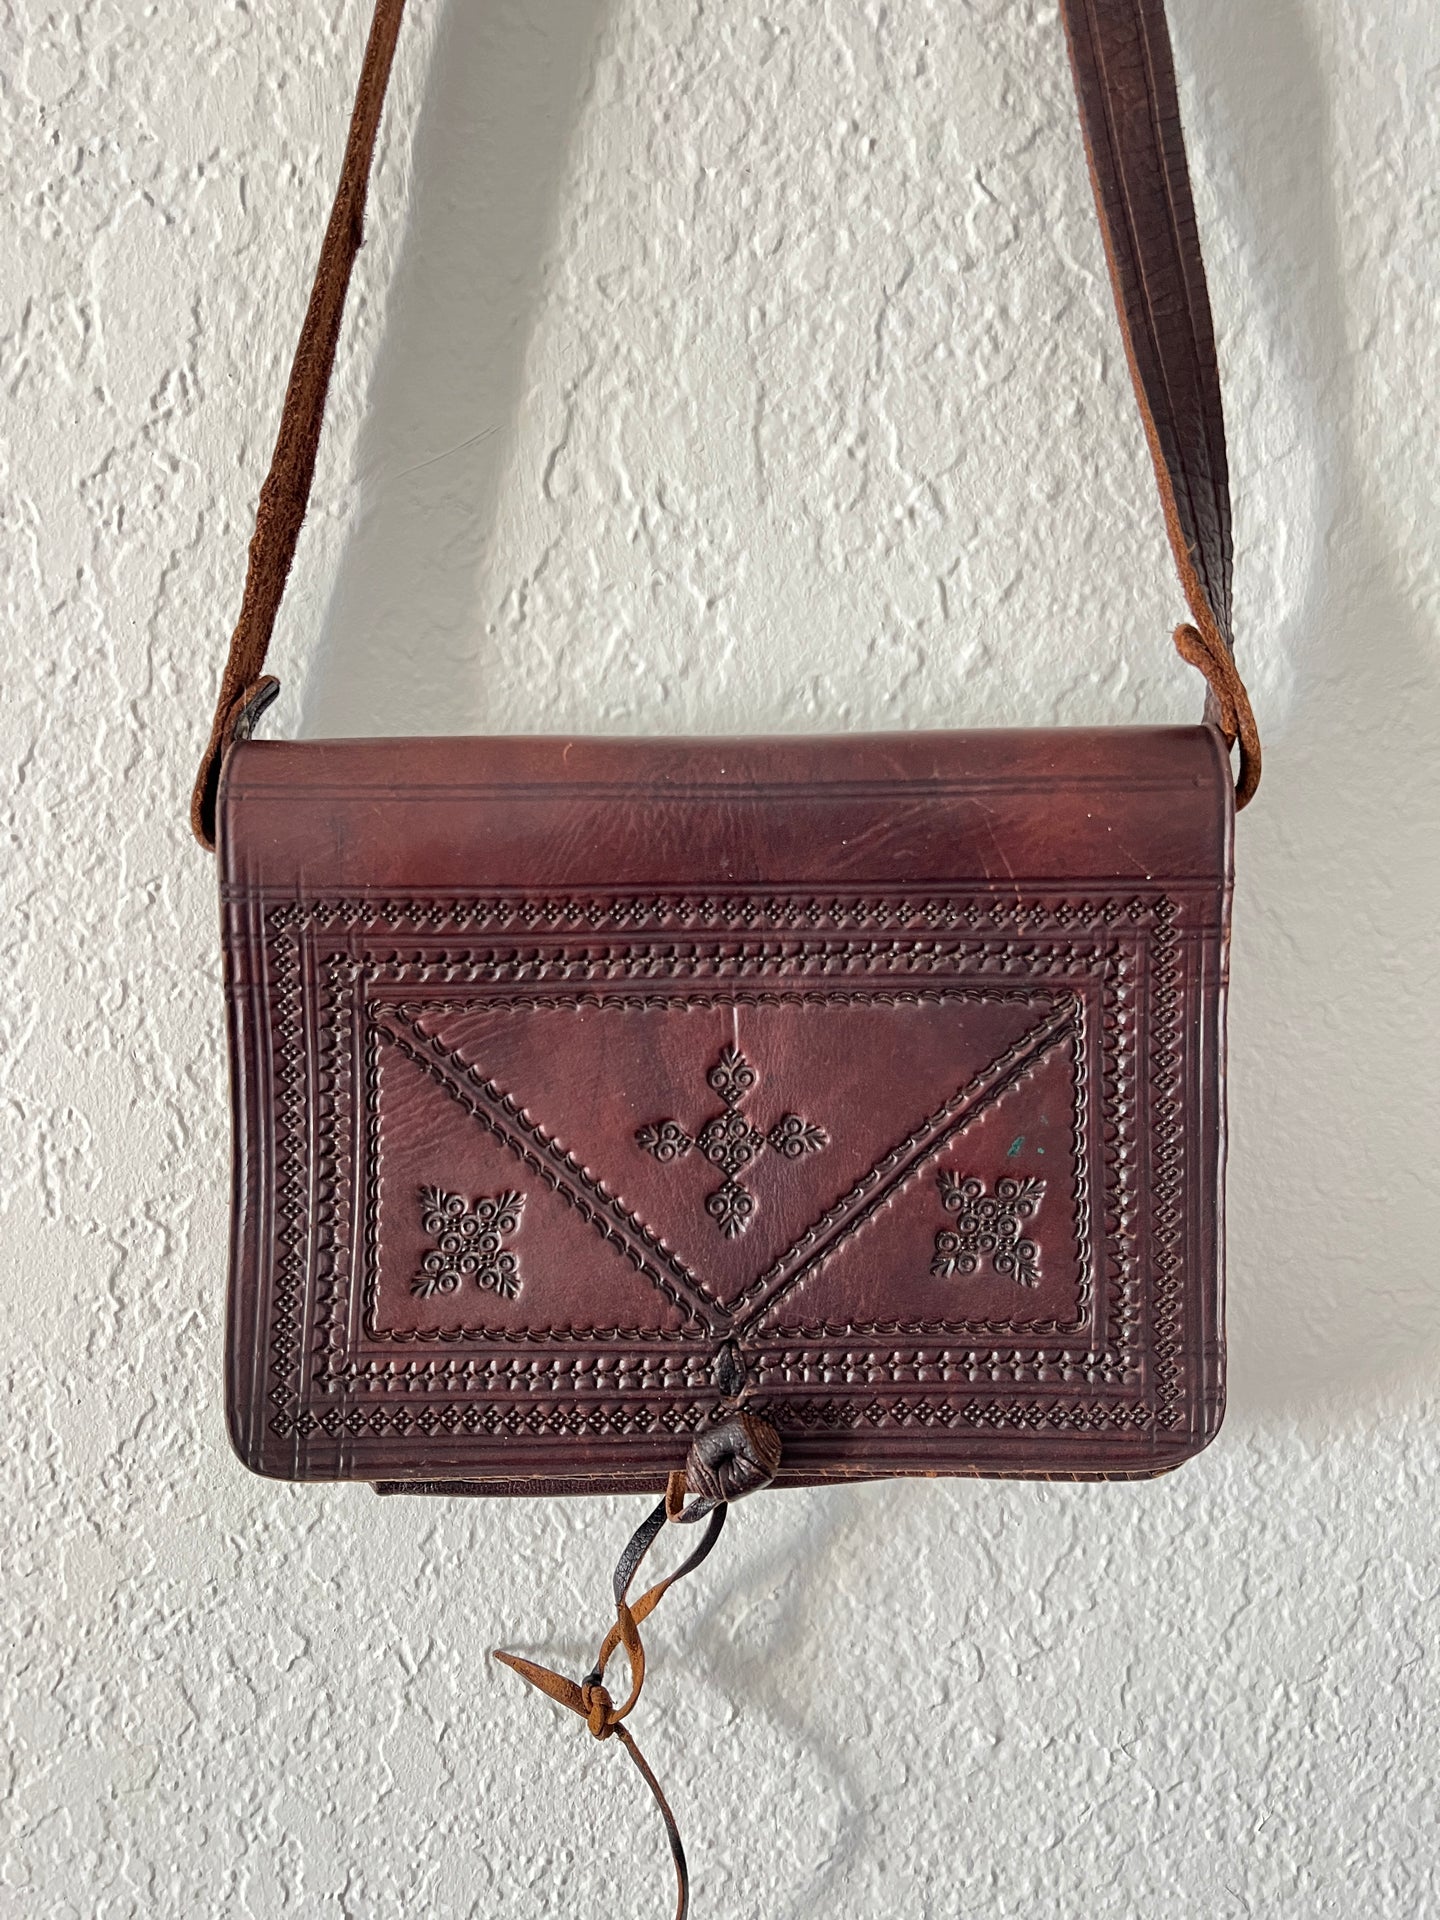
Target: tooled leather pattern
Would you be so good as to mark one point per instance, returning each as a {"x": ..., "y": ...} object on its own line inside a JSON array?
[{"x": 798, "y": 1355}]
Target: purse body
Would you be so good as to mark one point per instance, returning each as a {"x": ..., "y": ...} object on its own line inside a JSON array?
[
  {"x": 587, "y": 1089},
  {"x": 583, "y": 1086}
]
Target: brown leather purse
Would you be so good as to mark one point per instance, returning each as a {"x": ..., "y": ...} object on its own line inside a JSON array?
[{"x": 615, "y": 1113}]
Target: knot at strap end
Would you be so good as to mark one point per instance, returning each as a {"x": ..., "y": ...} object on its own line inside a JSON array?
[{"x": 732, "y": 1459}]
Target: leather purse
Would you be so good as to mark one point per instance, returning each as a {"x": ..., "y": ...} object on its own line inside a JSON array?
[
  {"x": 585, "y": 1090},
  {"x": 618, "y": 1115}
]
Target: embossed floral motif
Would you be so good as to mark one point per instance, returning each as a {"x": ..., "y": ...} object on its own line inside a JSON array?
[
  {"x": 730, "y": 1141},
  {"x": 730, "y": 1207},
  {"x": 469, "y": 1243},
  {"x": 668, "y": 1141},
  {"x": 987, "y": 1227},
  {"x": 732, "y": 1076},
  {"x": 792, "y": 1136}
]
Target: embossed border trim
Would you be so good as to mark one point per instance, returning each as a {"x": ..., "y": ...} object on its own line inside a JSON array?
[
  {"x": 954, "y": 909},
  {"x": 1167, "y": 1089},
  {"x": 350, "y": 968},
  {"x": 620, "y": 1417}
]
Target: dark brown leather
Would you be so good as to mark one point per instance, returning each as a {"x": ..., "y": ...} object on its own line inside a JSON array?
[
  {"x": 584, "y": 1086},
  {"x": 1130, "y": 115}
]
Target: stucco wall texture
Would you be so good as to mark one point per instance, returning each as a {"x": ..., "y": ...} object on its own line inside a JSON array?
[{"x": 711, "y": 368}]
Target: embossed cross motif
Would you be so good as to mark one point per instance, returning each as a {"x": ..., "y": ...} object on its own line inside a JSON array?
[
  {"x": 730, "y": 1142},
  {"x": 987, "y": 1227},
  {"x": 469, "y": 1243}
]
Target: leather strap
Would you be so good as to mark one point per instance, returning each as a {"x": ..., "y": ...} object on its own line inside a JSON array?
[
  {"x": 591, "y": 1698},
  {"x": 727, "y": 1461},
  {"x": 244, "y": 690},
  {"x": 1130, "y": 115}
]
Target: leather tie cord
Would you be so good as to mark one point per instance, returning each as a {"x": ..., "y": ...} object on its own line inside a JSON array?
[
  {"x": 726, "y": 1462},
  {"x": 1130, "y": 117}
]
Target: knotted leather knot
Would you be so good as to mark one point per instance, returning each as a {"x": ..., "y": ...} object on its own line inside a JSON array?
[
  {"x": 726, "y": 1462},
  {"x": 600, "y": 1714}
]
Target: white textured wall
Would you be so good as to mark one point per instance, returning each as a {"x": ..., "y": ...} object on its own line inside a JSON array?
[{"x": 711, "y": 367}]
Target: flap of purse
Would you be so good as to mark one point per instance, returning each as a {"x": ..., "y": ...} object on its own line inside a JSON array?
[{"x": 586, "y": 1087}]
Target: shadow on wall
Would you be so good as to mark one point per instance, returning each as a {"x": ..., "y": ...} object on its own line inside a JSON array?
[
  {"x": 501, "y": 101},
  {"x": 1334, "y": 1288},
  {"x": 1334, "y": 1291}
]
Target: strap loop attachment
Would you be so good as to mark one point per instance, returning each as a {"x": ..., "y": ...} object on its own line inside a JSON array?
[{"x": 1231, "y": 703}]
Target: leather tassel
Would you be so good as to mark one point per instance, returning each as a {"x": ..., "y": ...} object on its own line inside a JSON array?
[{"x": 737, "y": 1457}]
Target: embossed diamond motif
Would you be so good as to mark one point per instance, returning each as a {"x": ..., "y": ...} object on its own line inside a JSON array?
[
  {"x": 470, "y": 1243},
  {"x": 987, "y": 1227},
  {"x": 730, "y": 1141}
]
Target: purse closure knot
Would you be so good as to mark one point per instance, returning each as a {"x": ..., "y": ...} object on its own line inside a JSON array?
[{"x": 726, "y": 1462}]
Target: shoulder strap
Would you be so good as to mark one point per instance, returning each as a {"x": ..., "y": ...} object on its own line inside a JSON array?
[{"x": 1130, "y": 115}]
